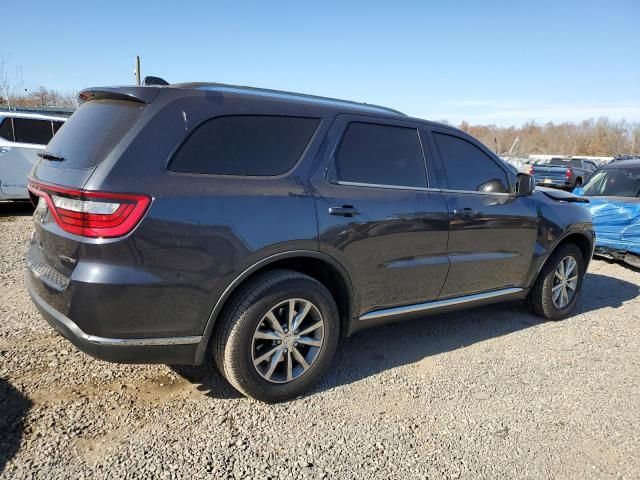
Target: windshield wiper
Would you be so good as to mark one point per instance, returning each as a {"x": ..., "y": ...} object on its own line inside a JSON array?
[{"x": 50, "y": 156}]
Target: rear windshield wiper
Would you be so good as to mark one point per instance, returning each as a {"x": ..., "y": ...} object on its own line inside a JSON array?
[{"x": 50, "y": 156}]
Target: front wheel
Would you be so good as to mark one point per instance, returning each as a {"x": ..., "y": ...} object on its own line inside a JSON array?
[
  {"x": 278, "y": 336},
  {"x": 555, "y": 293}
]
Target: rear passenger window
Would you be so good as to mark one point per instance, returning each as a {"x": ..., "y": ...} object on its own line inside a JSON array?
[
  {"x": 260, "y": 145},
  {"x": 6, "y": 130},
  {"x": 27, "y": 130},
  {"x": 380, "y": 155},
  {"x": 469, "y": 168}
]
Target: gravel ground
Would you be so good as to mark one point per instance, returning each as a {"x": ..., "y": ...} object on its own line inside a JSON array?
[{"x": 487, "y": 393}]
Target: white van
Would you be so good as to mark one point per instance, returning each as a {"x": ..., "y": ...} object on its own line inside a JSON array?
[{"x": 22, "y": 135}]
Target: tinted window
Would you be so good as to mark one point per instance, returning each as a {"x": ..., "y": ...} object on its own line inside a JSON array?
[
  {"x": 56, "y": 126},
  {"x": 576, "y": 163},
  {"x": 93, "y": 131},
  {"x": 6, "y": 130},
  {"x": 558, "y": 161},
  {"x": 245, "y": 145},
  {"x": 469, "y": 168},
  {"x": 28, "y": 130},
  {"x": 619, "y": 182},
  {"x": 381, "y": 155}
]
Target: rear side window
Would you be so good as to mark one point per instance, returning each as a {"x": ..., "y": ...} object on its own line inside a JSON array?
[
  {"x": 93, "y": 131},
  {"x": 469, "y": 168},
  {"x": 6, "y": 129},
  {"x": 261, "y": 145},
  {"x": 27, "y": 130},
  {"x": 380, "y": 155}
]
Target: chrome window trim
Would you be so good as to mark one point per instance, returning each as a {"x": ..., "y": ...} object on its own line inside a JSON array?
[
  {"x": 379, "y": 185},
  {"x": 388, "y": 312},
  {"x": 421, "y": 189},
  {"x": 475, "y": 192}
]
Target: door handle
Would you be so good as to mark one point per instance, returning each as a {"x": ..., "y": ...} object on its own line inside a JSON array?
[
  {"x": 466, "y": 213},
  {"x": 344, "y": 211}
]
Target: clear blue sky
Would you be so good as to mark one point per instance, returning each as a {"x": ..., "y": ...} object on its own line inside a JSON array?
[{"x": 501, "y": 62}]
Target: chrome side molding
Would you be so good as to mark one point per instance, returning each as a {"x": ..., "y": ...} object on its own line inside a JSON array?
[
  {"x": 420, "y": 307},
  {"x": 141, "y": 342}
]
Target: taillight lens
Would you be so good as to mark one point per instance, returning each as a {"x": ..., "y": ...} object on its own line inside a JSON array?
[
  {"x": 568, "y": 173},
  {"x": 530, "y": 170},
  {"x": 92, "y": 214}
]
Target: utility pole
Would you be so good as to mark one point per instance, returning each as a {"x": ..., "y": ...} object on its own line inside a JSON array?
[
  {"x": 137, "y": 70},
  {"x": 513, "y": 145}
]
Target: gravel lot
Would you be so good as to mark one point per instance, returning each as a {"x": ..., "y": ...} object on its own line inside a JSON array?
[{"x": 488, "y": 393}]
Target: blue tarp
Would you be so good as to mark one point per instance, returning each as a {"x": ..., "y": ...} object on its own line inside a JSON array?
[{"x": 616, "y": 222}]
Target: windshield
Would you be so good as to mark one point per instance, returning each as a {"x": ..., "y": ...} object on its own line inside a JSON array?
[{"x": 614, "y": 182}]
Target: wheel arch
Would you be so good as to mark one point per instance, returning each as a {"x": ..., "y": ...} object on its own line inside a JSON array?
[
  {"x": 577, "y": 237},
  {"x": 317, "y": 265}
]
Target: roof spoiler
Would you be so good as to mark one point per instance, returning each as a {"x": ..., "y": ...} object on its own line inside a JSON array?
[
  {"x": 149, "y": 80},
  {"x": 131, "y": 94}
]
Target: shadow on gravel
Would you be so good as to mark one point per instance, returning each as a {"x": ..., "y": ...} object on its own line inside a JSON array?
[
  {"x": 13, "y": 410},
  {"x": 373, "y": 351},
  {"x": 15, "y": 209},
  {"x": 208, "y": 379}
]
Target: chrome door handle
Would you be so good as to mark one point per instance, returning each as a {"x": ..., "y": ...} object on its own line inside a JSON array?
[{"x": 344, "y": 211}]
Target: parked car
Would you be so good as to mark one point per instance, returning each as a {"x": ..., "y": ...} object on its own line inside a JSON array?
[
  {"x": 22, "y": 136},
  {"x": 266, "y": 225},
  {"x": 567, "y": 173},
  {"x": 614, "y": 201}
]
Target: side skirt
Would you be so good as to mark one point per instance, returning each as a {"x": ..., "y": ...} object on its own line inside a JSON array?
[{"x": 395, "y": 314}]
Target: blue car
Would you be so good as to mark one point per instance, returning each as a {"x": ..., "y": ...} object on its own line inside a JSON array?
[{"x": 614, "y": 200}]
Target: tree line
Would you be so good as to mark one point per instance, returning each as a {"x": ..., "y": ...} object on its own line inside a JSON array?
[{"x": 602, "y": 138}]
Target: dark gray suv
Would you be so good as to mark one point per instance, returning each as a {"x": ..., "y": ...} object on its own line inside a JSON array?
[{"x": 192, "y": 222}]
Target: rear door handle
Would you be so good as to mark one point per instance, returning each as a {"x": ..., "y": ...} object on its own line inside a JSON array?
[
  {"x": 344, "y": 211},
  {"x": 466, "y": 213}
]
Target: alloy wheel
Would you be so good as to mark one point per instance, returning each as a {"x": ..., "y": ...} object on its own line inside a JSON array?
[
  {"x": 565, "y": 282},
  {"x": 287, "y": 341}
]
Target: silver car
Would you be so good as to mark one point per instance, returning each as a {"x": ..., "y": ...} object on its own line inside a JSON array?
[{"x": 22, "y": 136}]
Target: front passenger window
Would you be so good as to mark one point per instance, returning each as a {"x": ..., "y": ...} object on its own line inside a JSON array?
[{"x": 469, "y": 168}]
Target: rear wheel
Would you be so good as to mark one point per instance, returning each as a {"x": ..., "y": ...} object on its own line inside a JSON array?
[
  {"x": 556, "y": 290},
  {"x": 278, "y": 336}
]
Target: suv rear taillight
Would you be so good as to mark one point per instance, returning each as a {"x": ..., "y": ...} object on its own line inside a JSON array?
[
  {"x": 530, "y": 170},
  {"x": 92, "y": 214},
  {"x": 568, "y": 173}
]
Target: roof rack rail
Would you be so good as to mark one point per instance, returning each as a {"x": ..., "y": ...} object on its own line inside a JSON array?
[{"x": 281, "y": 93}]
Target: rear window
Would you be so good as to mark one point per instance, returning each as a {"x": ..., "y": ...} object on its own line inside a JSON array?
[
  {"x": 261, "y": 145},
  {"x": 558, "y": 161},
  {"x": 27, "y": 130},
  {"x": 93, "y": 131},
  {"x": 6, "y": 130}
]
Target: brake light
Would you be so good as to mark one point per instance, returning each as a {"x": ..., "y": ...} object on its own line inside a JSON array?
[
  {"x": 92, "y": 214},
  {"x": 568, "y": 173}
]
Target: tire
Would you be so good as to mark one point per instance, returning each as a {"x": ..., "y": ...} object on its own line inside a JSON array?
[
  {"x": 235, "y": 347},
  {"x": 540, "y": 299}
]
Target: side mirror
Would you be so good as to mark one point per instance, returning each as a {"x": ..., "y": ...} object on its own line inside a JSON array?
[
  {"x": 578, "y": 191},
  {"x": 525, "y": 184}
]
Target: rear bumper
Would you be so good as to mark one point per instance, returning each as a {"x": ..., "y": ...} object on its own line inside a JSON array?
[
  {"x": 553, "y": 182},
  {"x": 172, "y": 350}
]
